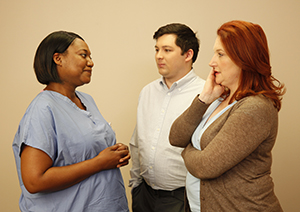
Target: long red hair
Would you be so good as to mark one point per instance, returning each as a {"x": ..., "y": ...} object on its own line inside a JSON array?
[{"x": 246, "y": 45}]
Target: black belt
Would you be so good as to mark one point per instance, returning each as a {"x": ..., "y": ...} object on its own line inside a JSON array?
[
  {"x": 174, "y": 193},
  {"x": 163, "y": 193}
]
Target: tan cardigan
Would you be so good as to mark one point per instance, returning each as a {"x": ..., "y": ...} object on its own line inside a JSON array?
[{"x": 235, "y": 162}]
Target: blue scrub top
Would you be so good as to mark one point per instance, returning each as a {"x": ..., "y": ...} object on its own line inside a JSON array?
[{"x": 55, "y": 125}]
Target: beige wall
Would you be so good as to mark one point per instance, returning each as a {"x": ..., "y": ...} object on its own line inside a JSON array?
[{"x": 119, "y": 33}]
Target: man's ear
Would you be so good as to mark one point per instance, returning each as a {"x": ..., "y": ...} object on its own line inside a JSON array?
[
  {"x": 57, "y": 58},
  {"x": 189, "y": 55}
]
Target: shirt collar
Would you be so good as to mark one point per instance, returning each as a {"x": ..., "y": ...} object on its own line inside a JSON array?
[{"x": 181, "y": 82}]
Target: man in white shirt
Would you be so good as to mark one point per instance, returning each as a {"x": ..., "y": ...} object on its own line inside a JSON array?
[{"x": 158, "y": 172}]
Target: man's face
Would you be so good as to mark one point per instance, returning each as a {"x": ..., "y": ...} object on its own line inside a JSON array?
[{"x": 170, "y": 62}]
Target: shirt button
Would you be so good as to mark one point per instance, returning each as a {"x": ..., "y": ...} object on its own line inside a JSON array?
[
  {"x": 153, "y": 147},
  {"x": 150, "y": 167}
]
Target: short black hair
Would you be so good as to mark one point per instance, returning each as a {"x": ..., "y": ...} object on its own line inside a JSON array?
[
  {"x": 44, "y": 66},
  {"x": 186, "y": 38}
]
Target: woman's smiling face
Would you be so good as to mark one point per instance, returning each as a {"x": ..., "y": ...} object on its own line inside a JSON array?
[{"x": 75, "y": 67}]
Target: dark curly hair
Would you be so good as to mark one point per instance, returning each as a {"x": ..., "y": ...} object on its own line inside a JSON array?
[{"x": 186, "y": 38}]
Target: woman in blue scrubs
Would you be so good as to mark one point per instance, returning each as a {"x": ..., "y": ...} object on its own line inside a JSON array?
[{"x": 66, "y": 153}]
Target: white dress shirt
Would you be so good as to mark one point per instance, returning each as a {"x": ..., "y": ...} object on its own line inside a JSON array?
[{"x": 153, "y": 157}]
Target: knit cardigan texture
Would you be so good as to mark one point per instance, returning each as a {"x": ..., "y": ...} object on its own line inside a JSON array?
[{"x": 234, "y": 163}]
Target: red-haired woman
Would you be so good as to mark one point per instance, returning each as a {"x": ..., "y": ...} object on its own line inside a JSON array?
[{"x": 230, "y": 129}]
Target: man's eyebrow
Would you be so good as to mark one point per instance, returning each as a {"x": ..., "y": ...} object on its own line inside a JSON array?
[{"x": 165, "y": 46}]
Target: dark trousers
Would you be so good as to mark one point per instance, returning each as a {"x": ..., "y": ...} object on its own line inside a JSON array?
[{"x": 146, "y": 199}]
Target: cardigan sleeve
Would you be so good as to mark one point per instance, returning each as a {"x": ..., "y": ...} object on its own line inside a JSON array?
[
  {"x": 184, "y": 126},
  {"x": 248, "y": 124}
]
